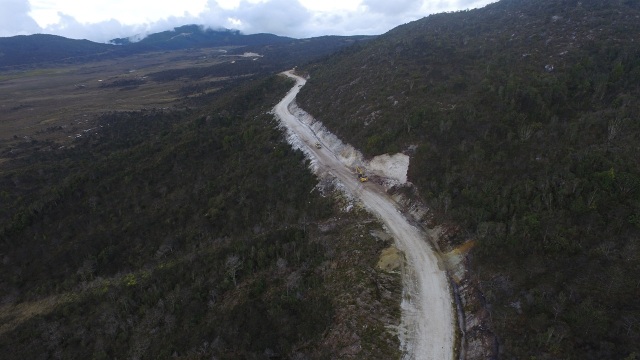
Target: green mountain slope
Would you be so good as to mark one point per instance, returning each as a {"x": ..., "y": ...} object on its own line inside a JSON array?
[
  {"x": 525, "y": 117},
  {"x": 189, "y": 36},
  {"x": 40, "y": 48},
  {"x": 186, "y": 234}
]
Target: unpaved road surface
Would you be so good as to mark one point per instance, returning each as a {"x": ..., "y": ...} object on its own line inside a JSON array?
[{"x": 427, "y": 330}]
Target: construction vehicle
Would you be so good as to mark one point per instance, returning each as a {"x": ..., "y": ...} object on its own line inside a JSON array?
[{"x": 361, "y": 175}]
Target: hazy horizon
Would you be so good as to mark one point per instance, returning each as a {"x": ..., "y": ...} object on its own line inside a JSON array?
[{"x": 103, "y": 20}]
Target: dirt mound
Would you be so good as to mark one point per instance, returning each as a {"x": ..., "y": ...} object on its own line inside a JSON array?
[{"x": 391, "y": 259}]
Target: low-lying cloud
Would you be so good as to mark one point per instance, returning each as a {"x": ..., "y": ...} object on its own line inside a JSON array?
[
  {"x": 280, "y": 17},
  {"x": 15, "y": 18}
]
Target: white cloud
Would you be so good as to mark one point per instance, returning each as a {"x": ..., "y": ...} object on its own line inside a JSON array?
[
  {"x": 129, "y": 12},
  {"x": 331, "y": 5},
  {"x": 15, "y": 18},
  {"x": 282, "y": 17},
  {"x": 392, "y": 7},
  {"x": 102, "y": 31},
  {"x": 102, "y": 20},
  {"x": 233, "y": 4}
]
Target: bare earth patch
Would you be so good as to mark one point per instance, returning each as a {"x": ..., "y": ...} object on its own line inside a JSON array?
[{"x": 391, "y": 259}]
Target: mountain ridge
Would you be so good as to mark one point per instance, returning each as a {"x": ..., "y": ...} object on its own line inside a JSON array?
[
  {"x": 44, "y": 49},
  {"x": 521, "y": 122}
]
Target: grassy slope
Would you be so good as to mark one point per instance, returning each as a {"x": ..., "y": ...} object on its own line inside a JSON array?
[
  {"x": 170, "y": 234},
  {"x": 525, "y": 113}
]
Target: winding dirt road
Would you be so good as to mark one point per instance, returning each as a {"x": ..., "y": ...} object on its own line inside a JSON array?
[{"x": 427, "y": 330}]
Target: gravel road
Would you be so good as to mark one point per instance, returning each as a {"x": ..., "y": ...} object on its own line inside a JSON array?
[{"x": 427, "y": 330}]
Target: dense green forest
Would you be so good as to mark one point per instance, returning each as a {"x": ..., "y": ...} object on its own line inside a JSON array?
[
  {"x": 525, "y": 117},
  {"x": 187, "y": 234}
]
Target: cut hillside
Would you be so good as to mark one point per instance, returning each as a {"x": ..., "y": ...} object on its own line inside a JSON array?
[{"x": 521, "y": 119}]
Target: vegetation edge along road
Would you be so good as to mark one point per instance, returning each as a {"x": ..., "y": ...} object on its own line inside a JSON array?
[{"x": 427, "y": 315}]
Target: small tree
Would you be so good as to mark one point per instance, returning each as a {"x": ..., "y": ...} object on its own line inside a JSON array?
[{"x": 233, "y": 264}]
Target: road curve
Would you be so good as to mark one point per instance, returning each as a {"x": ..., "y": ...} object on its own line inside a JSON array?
[{"x": 427, "y": 330}]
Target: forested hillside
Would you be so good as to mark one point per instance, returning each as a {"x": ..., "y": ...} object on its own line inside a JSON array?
[
  {"x": 525, "y": 117},
  {"x": 186, "y": 234}
]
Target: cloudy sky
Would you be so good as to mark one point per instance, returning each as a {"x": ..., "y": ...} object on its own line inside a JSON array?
[{"x": 102, "y": 20}]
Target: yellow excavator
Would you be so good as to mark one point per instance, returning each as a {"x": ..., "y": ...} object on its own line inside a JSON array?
[{"x": 361, "y": 175}]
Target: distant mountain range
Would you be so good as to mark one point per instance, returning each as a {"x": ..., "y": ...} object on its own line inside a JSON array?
[
  {"x": 40, "y": 49},
  {"x": 188, "y": 36}
]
